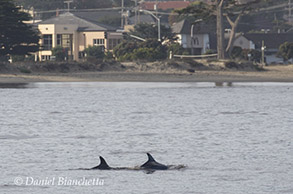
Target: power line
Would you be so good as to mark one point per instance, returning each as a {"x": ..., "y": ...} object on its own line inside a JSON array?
[
  {"x": 267, "y": 10},
  {"x": 81, "y": 10}
]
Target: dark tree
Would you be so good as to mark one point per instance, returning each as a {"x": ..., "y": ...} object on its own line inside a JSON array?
[
  {"x": 16, "y": 37},
  {"x": 150, "y": 31},
  {"x": 149, "y": 50},
  {"x": 286, "y": 51}
]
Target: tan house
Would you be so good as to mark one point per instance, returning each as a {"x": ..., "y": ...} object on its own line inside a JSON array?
[{"x": 74, "y": 34}]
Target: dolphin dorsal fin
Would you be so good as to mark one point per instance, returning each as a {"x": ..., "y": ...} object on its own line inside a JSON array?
[
  {"x": 103, "y": 164},
  {"x": 150, "y": 158},
  {"x": 153, "y": 164}
]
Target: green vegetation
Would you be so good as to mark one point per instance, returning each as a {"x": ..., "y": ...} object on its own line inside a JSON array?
[
  {"x": 18, "y": 58},
  {"x": 24, "y": 70},
  {"x": 286, "y": 51},
  {"x": 60, "y": 53},
  {"x": 108, "y": 56},
  {"x": 150, "y": 50},
  {"x": 96, "y": 52},
  {"x": 246, "y": 54},
  {"x": 150, "y": 31},
  {"x": 12, "y": 42},
  {"x": 236, "y": 52},
  {"x": 177, "y": 49}
]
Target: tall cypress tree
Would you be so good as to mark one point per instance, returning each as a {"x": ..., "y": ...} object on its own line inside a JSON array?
[{"x": 16, "y": 37}]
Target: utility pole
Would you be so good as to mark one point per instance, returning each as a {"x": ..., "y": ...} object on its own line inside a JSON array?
[
  {"x": 220, "y": 33},
  {"x": 122, "y": 14},
  {"x": 263, "y": 47},
  {"x": 135, "y": 17},
  {"x": 68, "y": 5},
  {"x": 290, "y": 12}
]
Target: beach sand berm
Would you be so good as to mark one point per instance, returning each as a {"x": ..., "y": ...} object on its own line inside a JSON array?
[{"x": 270, "y": 74}]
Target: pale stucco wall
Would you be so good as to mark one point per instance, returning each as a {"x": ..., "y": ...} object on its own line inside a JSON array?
[
  {"x": 44, "y": 30},
  {"x": 90, "y": 36},
  {"x": 81, "y": 40}
]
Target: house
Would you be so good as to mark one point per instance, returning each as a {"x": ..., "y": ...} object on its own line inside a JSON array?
[
  {"x": 75, "y": 33},
  {"x": 271, "y": 41},
  {"x": 202, "y": 40}
]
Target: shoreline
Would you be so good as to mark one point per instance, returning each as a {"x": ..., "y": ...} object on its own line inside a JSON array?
[{"x": 271, "y": 74}]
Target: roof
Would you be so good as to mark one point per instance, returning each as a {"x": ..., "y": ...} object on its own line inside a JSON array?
[
  {"x": 165, "y": 5},
  {"x": 184, "y": 27},
  {"x": 143, "y": 19},
  {"x": 271, "y": 40},
  {"x": 83, "y": 24},
  {"x": 99, "y": 16}
]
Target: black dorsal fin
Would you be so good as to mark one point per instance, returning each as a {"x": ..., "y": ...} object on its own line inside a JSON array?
[
  {"x": 153, "y": 164},
  {"x": 149, "y": 162},
  {"x": 103, "y": 165},
  {"x": 150, "y": 158}
]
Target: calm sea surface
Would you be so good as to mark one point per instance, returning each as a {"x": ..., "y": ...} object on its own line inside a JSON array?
[{"x": 234, "y": 139}]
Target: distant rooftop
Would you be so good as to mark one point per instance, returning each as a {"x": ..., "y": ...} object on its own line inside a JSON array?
[
  {"x": 143, "y": 19},
  {"x": 94, "y": 16},
  {"x": 184, "y": 27},
  {"x": 83, "y": 23},
  {"x": 271, "y": 40},
  {"x": 164, "y": 5}
]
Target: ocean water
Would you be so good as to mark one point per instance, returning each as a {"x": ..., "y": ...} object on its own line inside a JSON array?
[{"x": 234, "y": 138}]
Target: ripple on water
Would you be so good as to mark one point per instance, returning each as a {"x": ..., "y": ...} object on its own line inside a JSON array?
[
  {"x": 18, "y": 137},
  {"x": 233, "y": 139}
]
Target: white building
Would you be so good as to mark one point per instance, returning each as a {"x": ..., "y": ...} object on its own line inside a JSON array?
[{"x": 199, "y": 43}]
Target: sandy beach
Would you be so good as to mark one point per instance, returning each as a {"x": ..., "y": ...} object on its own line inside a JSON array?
[{"x": 271, "y": 74}]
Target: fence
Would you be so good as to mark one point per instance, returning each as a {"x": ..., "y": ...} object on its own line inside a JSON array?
[{"x": 194, "y": 56}]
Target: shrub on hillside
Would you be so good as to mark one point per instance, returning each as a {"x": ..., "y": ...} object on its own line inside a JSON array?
[
  {"x": 150, "y": 50},
  {"x": 95, "y": 51},
  {"x": 286, "y": 51},
  {"x": 60, "y": 53},
  {"x": 176, "y": 49},
  {"x": 236, "y": 52}
]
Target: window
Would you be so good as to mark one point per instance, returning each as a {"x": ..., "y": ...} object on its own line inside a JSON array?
[
  {"x": 47, "y": 41},
  {"x": 98, "y": 42},
  {"x": 45, "y": 57},
  {"x": 59, "y": 39},
  {"x": 64, "y": 40}
]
